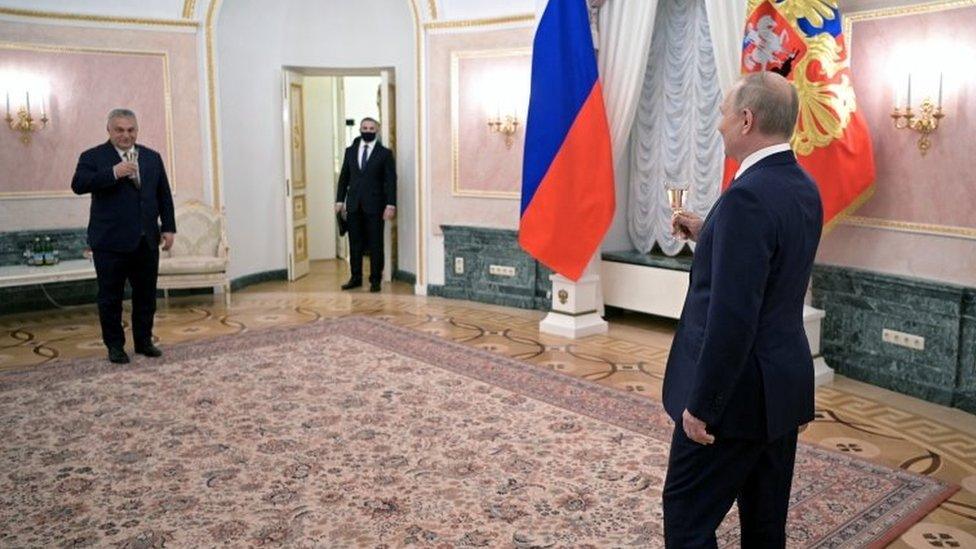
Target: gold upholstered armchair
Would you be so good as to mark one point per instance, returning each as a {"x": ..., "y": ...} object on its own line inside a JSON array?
[{"x": 199, "y": 256}]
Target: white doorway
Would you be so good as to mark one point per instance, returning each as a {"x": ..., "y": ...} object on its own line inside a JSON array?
[{"x": 333, "y": 102}]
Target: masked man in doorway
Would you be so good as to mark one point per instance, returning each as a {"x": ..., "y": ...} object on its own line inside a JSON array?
[{"x": 367, "y": 197}]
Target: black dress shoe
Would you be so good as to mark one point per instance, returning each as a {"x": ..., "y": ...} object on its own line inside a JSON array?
[
  {"x": 117, "y": 355},
  {"x": 148, "y": 349},
  {"x": 352, "y": 284},
  {"x": 374, "y": 287}
]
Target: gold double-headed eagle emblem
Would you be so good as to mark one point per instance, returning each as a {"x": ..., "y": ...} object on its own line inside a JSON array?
[{"x": 821, "y": 73}]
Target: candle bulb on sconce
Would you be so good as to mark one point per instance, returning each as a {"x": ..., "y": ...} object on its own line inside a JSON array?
[
  {"x": 23, "y": 121},
  {"x": 908, "y": 102}
]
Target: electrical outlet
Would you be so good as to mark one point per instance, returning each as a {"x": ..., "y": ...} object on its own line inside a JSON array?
[
  {"x": 501, "y": 270},
  {"x": 459, "y": 265},
  {"x": 902, "y": 339}
]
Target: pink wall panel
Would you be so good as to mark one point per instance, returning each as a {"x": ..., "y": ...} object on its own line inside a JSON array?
[
  {"x": 936, "y": 189},
  {"x": 487, "y": 83},
  {"x": 84, "y": 87},
  {"x": 463, "y": 210}
]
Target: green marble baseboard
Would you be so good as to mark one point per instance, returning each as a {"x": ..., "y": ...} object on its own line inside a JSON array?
[
  {"x": 861, "y": 304},
  {"x": 481, "y": 248}
]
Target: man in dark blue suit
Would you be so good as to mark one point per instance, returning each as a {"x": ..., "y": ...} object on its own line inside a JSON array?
[
  {"x": 739, "y": 380},
  {"x": 130, "y": 198},
  {"x": 366, "y": 195}
]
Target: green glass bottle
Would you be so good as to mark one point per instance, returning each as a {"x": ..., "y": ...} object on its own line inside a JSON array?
[
  {"x": 38, "y": 252},
  {"x": 48, "y": 251}
]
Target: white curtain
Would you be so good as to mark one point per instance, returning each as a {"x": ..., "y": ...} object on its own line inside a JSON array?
[
  {"x": 624, "y": 43},
  {"x": 726, "y": 24},
  {"x": 675, "y": 137}
]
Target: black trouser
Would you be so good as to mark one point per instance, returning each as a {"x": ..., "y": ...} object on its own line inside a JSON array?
[
  {"x": 140, "y": 267},
  {"x": 703, "y": 481},
  {"x": 365, "y": 229}
]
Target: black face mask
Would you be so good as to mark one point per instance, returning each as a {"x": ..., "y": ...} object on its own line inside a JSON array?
[{"x": 368, "y": 137}]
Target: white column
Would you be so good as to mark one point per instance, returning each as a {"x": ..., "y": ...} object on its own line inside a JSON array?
[
  {"x": 812, "y": 319},
  {"x": 576, "y": 306}
]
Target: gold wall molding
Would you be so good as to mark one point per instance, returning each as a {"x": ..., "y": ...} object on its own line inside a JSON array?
[
  {"x": 420, "y": 225},
  {"x": 432, "y": 7},
  {"x": 189, "y": 8},
  {"x": 951, "y": 231},
  {"x": 216, "y": 185},
  {"x": 456, "y": 57},
  {"x": 172, "y": 24},
  {"x": 484, "y": 22},
  {"x": 900, "y": 11},
  {"x": 167, "y": 103}
]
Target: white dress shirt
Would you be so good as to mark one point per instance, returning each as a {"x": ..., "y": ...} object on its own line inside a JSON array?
[
  {"x": 123, "y": 153},
  {"x": 759, "y": 155}
]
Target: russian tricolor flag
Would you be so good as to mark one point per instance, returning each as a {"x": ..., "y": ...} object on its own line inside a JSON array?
[{"x": 567, "y": 174}]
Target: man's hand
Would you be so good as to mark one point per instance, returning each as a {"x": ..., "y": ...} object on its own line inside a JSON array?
[
  {"x": 166, "y": 239},
  {"x": 340, "y": 207},
  {"x": 695, "y": 429},
  {"x": 389, "y": 213},
  {"x": 125, "y": 169},
  {"x": 686, "y": 225}
]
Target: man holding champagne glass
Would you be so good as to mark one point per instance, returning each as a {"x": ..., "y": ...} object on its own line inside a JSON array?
[
  {"x": 739, "y": 379},
  {"x": 131, "y": 217}
]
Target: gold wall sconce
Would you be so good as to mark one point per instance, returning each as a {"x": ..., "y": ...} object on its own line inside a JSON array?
[
  {"x": 507, "y": 125},
  {"x": 926, "y": 122},
  {"x": 26, "y": 98}
]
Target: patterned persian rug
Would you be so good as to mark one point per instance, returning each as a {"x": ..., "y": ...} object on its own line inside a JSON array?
[{"x": 357, "y": 433}]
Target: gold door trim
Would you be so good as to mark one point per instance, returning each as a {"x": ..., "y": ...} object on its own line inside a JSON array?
[
  {"x": 301, "y": 244},
  {"x": 297, "y": 101},
  {"x": 299, "y": 208}
]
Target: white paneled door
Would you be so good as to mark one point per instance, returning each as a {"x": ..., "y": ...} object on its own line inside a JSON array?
[{"x": 296, "y": 206}]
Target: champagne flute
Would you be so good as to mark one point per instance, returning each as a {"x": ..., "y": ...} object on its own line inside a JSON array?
[{"x": 677, "y": 193}]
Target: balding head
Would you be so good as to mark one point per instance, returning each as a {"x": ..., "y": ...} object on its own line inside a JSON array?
[
  {"x": 772, "y": 100},
  {"x": 760, "y": 110}
]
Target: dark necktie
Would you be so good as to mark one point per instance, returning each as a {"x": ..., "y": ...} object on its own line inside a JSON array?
[{"x": 362, "y": 164}]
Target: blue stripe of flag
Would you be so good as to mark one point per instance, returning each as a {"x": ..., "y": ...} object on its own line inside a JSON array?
[{"x": 563, "y": 75}]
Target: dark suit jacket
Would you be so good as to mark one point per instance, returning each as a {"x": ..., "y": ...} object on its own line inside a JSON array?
[
  {"x": 740, "y": 361},
  {"x": 120, "y": 213},
  {"x": 374, "y": 187}
]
